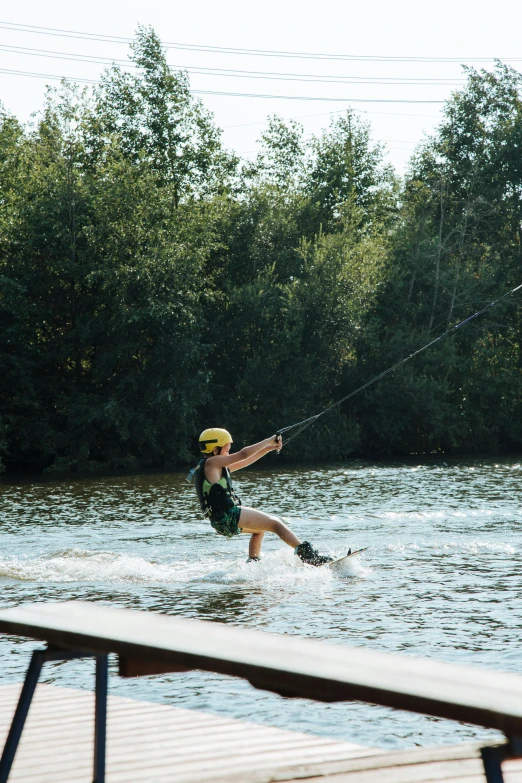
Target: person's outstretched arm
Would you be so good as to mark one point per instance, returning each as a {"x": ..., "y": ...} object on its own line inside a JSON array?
[
  {"x": 261, "y": 453},
  {"x": 246, "y": 456}
]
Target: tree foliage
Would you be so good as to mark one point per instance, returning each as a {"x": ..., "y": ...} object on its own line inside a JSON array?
[{"x": 150, "y": 285}]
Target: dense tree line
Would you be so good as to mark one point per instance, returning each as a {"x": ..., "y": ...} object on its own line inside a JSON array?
[{"x": 152, "y": 285}]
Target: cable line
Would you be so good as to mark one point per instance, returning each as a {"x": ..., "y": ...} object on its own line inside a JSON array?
[
  {"x": 329, "y": 113},
  {"x": 244, "y": 51},
  {"x": 302, "y": 425},
  {"x": 34, "y": 75},
  {"x": 315, "y": 98},
  {"x": 231, "y": 72},
  {"x": 321, "y": 98}
]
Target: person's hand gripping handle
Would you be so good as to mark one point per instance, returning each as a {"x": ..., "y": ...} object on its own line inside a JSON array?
[{"x": 279, "y": 439}]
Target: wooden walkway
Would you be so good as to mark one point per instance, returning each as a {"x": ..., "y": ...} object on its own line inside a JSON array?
[
  {"x": 153, "y": 743},
  {"x": 150, "y": 742}
]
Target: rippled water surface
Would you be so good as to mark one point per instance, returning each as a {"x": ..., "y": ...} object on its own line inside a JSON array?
[{"x": 441, "y": 577}]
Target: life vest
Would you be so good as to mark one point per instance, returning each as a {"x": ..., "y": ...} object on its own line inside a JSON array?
[{"x": 213, "y": 497}]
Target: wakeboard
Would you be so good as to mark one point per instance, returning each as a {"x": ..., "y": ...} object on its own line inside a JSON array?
[{"x": 341, "y": 559}]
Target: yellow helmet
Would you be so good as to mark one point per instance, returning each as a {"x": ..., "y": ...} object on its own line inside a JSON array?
[{"x": 209, "y": 439}]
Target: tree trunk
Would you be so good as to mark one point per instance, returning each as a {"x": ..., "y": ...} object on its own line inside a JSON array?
[{"x": 438, "y": 257}]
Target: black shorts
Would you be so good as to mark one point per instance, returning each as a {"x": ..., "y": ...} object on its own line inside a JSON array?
[{"x": 226, "y": 523}]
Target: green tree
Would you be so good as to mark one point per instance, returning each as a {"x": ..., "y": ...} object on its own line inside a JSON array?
[
  {"x": 111, "y": 281},
  {"x": 17, "y": 396},
  {"x": 281, "y": 159},
  {"x": 457, "y": 247},
  {"x": 345, "y": 165},
  {"x": 155, "y": 116},
  {"x": 283, "y": 345}
]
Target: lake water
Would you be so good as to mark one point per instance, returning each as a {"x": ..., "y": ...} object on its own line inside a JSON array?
[{"x": 441, "y": 577}]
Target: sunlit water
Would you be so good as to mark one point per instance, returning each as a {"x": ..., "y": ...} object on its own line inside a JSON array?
[{"x": 441, "y": 578}]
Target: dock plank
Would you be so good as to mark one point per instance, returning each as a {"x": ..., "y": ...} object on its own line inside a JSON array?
[
  {"x": 165, "y": 744},
  {"x": 154, "y": 741}
]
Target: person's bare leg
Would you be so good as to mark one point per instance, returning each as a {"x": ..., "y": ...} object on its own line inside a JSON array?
[
  {"x": 254, "y": 547},
  {"x": 254, "y": 521}
]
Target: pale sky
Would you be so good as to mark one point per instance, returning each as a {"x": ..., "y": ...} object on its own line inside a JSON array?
[{"x": 460, "y": 30}]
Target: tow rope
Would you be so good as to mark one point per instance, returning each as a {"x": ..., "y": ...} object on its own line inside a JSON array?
[{"x": 302, "y": 425}]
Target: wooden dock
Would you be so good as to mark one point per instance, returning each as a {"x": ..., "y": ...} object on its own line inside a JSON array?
[
  {"x": 155, "y": 742},
  {"x": 152, "y": 743},
  {"x": 68, "y": 736}
]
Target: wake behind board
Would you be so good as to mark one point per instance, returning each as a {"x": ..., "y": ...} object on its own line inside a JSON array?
[{"x": 341, "y": 559}]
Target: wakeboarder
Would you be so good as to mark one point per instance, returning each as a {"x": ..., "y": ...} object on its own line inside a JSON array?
[{"x": 221, "y": 505}]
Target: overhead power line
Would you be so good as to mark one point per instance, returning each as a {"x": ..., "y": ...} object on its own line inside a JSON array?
[
  {"x": 314, "y": 98},
  {"x": 336, "y": 111},
  {"x": 329, "y": 113},
  {"x": 228, "y": 72},
  {"x": 321, "y": 98},
  {"x": 48, "y": 76},
  {"x": 249, "y": 52},
  {"x": 81, "y": 58}
]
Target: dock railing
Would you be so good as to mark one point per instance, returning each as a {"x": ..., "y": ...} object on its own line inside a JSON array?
[{"x": 148, "y": 644}]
